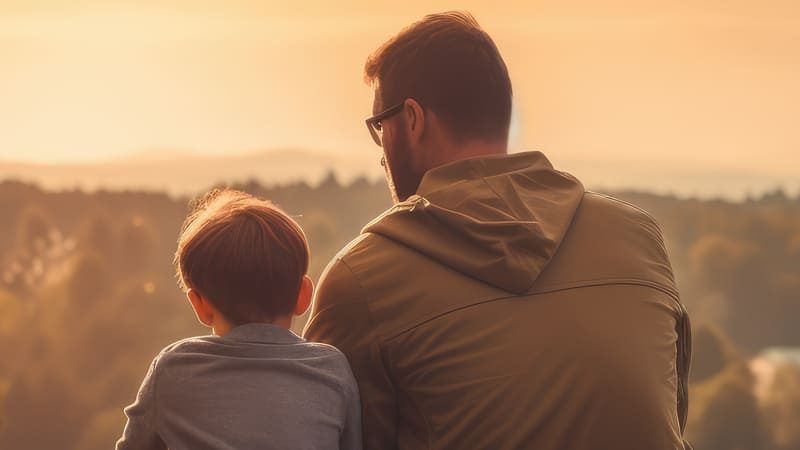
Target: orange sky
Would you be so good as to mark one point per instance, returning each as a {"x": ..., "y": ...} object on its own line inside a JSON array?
[{"x": 663, "y": 84}]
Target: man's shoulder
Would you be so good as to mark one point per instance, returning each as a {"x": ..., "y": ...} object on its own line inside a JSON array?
[
  {"x": 614, "y": 216},
  {"x": 369, "y": 251},
  {"x": 607, "y": 203},
  {"x": 338, "y": 285},
  {"x": 341, "y": 295},
  {"x": 611, "y": 239},
  {"x": 365, "y": 245}
]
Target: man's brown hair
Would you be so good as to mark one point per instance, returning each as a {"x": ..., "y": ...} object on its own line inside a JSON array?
[
  {"x": 244, "y": 255},
  {"x": 448, "y": 64}
]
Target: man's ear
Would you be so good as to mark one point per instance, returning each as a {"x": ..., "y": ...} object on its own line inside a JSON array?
[
  {"x": 201, "y": 307},
  {"x": 415, "y": 117},
  {"x": 304, "y": 296}
]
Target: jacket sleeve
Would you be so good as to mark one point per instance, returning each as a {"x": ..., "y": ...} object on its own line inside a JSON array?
[
  {"x": 140, "y": 431},
  {"x": 683, "y": 330},
  {"x": 340, "y": 317}
]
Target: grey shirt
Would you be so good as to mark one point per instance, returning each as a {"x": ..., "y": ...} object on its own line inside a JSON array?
[{"x": 258, "y": 387}]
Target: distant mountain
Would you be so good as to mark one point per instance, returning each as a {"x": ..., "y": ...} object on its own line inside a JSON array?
[
  {"x": 185, "y": 172},
  {"x": 687, "y": 180}
]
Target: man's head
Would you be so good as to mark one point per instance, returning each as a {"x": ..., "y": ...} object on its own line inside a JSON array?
[
  {"x": 242, "y": 260},
  {"x": 451, "y": 95}
]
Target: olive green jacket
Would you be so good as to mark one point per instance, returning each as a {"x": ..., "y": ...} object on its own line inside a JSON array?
[{"x": 503, "y": 307}]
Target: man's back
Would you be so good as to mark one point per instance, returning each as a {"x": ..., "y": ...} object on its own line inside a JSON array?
[{"x": 507, "y": 309}]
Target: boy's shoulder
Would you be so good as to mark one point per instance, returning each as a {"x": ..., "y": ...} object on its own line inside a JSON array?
[
  {"x": 324, "y": 348},
  {"x": 189, "y": 343},
  {"x": 338, "y": 364},
  {"x": 302, "y": 349},
  {"x": 313, "y": 355},
  {"x": 336, "y": 359},
  {"x": 184, "y": 366}
]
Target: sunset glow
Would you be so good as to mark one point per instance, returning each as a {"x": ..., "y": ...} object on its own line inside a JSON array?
[{"x": 654, "y": 87}]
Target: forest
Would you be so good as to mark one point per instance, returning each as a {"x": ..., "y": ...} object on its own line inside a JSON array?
[{"x": 88, "y": 296}]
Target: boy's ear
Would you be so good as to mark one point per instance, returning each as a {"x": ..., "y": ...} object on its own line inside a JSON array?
[
  {"x": 201, "y": 307},
  {"x": 304, "y": 296}
]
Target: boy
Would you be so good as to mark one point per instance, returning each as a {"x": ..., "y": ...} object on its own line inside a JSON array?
[{"x": 253, "y": 384}]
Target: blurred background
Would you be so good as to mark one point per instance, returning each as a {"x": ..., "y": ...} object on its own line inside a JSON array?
[{"x": 115, "y": 114}]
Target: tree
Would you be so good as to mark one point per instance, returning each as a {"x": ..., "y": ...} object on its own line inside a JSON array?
[
  {"x": 724, "y": 414},
  {"x": 712, "y": 352},
  {"x": 782, "y": 407},
  {"x": 89, "y": 283},
  {"x": 138, "y": 243},
  {"x": 34, "y": 229}
]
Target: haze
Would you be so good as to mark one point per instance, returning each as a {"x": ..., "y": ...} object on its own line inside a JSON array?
[{"x": 618, "y": 94}]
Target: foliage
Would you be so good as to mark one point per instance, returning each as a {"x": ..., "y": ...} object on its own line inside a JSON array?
[{"x": 88, "y": 297}]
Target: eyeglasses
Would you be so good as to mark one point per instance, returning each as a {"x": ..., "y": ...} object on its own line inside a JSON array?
[{"x": 374, "y": 122}]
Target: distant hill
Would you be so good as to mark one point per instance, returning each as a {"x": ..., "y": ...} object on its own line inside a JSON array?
[{"x": 187, "y": 173}]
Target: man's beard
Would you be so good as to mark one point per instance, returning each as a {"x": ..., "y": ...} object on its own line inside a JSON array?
[{"x": 400, "y": 175}]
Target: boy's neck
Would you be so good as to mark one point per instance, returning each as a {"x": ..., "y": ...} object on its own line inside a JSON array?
[
  {"x": 284, "y": 322},
  {"x": 222, "y": 327}
]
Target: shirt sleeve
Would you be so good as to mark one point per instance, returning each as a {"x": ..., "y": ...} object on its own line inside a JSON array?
[
  {"x": 140, "y": 430},
  {"x": 351, "y": 435},
  {"x": 340, "y": 317}
]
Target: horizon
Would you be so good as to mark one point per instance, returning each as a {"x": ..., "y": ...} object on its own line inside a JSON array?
[{"x": 184, "y": 172}]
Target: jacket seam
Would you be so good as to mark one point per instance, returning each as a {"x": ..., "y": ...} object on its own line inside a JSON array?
[
  {"x": 672, "y": 292},
  {"x": 547, "y": 290}
]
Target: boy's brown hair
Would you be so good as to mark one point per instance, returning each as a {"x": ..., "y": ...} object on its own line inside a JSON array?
[{"x": 244, "y": 255}]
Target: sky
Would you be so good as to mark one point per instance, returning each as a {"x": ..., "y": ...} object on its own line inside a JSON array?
[{"x": 648, "y": 86}]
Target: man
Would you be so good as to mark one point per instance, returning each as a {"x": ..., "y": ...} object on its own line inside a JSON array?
[{"x": 497, "y": 305}]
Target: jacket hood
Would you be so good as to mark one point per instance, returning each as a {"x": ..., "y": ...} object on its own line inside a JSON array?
[{"x": 498, "y": 219}]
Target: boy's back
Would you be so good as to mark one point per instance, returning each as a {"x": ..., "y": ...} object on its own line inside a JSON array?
[
  {"x": 259, "y": 386},
  {"x": 243, "y": 264}
]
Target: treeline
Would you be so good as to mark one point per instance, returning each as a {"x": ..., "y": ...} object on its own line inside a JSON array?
[{"x": 88, "y": 296}]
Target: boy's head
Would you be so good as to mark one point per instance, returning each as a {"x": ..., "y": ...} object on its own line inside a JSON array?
[{"x": 243, "y": 259}]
